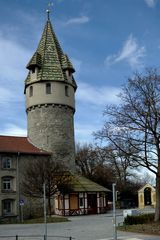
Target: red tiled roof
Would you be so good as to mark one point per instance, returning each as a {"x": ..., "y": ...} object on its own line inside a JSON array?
[{"x": 13, "y": 144}]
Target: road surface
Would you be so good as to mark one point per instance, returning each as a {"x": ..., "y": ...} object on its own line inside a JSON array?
[{"x": 91, "y": 227}]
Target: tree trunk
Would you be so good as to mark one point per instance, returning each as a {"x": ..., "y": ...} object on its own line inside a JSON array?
[{"x": 157, "y": 209}]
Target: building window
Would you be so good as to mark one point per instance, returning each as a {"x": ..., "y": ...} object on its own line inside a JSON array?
[
  {"x": 81, "y": 202},
  {"x": 6, "y": 163},
  {"x": 48, "y": 88},
  {"x": 31, "y": 91},
  {"x": 67, "y": 91},
  {"x": 7, "y": 206},
  {"x": 6, "y": 183},
  {"x": 33, "y": 70}
]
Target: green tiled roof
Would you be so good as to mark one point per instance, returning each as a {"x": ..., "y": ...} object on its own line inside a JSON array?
[
  {"x": 36, "y": 60},
  {"x": 82, "y": 184},
  {"x": 66, "y": 64},
  {"x": 50, "y": 59}
]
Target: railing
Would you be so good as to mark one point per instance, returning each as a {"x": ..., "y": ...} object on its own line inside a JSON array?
[
  {"x": 81, "y": 211},
  {"x": 34, "y": 237}
]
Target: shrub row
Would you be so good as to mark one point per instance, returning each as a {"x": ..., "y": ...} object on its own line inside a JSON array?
[{"x": 140, "y": 219}]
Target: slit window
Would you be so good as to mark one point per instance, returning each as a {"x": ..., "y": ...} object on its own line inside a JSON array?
[
  {"x": 67, "y": 91},
  {"x": 48, "y": 88},
  {"x": 31, "y": 91}
]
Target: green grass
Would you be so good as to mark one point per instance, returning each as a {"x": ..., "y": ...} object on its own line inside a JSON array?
[{"x": 53, "y": 219}]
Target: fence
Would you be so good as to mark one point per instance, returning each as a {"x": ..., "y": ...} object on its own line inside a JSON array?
[{"x": 35, "y": 237}]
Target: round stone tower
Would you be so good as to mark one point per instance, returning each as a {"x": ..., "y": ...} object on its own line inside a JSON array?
[{"x": 50, "y": 99}]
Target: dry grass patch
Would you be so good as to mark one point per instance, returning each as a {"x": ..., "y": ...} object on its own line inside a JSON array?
[{"x": 149, "y": 228}]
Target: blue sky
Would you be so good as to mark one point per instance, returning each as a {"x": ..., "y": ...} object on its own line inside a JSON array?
[{"x": 106, "y": 40}]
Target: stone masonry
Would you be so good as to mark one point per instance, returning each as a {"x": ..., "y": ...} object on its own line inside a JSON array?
[{"x": 51, "y": 128}]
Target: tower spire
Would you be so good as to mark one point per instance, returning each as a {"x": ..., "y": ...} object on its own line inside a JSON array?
[
  {"x": 50, "y": 5},
  {"x": 48, "y": 13}
]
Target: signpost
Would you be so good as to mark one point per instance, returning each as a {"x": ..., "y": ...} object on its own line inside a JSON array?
[
  {"x": 114, "y": 212},
  {"x": 45, "y": 214},
  {"x": 21, "y": 203}
]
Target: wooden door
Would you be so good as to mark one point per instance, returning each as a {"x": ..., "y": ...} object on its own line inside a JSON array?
[{"x": 73, "y": 201}]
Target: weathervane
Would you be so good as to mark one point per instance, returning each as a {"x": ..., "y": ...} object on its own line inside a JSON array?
[{"x": 50, "y": 5}]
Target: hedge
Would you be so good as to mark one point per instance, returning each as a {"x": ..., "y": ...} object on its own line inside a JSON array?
[{"x": 145, "y": 218}]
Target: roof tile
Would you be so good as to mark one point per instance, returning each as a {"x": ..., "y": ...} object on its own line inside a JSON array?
[
  {"x": 12, "y": 144},
  {"x": 50, "y": 59}
]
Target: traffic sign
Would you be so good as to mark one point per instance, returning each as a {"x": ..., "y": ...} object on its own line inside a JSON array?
[{"x": 21, "y": 202}]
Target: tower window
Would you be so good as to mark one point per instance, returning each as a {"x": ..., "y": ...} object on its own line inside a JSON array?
[
  {"x": 31, "y": 91},
  {"x": 48, "y": 88},
  {"x": 67, "y": 91},
  {"x": 33, "y": 70}
]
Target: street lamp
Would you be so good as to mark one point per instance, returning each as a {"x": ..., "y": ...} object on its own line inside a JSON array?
[
  {"x": 114, "y": 211},
  {"x": 45, "y": 213}
]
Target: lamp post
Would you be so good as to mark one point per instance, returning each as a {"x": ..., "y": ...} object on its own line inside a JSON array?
[
  {"x": 114, "y": 212},
  {"x": 45, "y": 213}
]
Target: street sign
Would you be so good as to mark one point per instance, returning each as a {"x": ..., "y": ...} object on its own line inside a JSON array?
[{"x": 21, "y": 202}]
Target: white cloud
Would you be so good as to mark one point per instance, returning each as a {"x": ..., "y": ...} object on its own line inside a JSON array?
[
  {"x": 150, "y": 3},
  {"x": 13, "y": 59},
  {"x": 130, "y": 52},
  {"x": 78, "y": 20},
  {"x": 97, "y": 95},
  {"x": 13, "y": 130}
]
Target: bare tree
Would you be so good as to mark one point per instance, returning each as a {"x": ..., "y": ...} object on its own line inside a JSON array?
[
  {"x": 120, "y": 162},
  {"x": 45, "y": 170},
  {"x": 135, "y": 122},
  {"x": 91, "y": 163},
  {"x": 87, "y": 159}
]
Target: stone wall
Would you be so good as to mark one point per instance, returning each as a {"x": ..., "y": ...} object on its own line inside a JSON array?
[{"x": 51, "y": 128}]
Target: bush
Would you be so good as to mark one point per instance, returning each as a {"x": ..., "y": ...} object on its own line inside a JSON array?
[{"x": 141, "y": 219}]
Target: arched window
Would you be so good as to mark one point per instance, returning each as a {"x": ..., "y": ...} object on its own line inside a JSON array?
[
  {"x": 48, "y": 88},
  {"x": 31, "y": 91},
  {"x": 147, "y": 196},
  {"x": 67, "y": 91}
]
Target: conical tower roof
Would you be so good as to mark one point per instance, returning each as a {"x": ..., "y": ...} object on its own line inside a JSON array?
[{"x": 52, "y": 63}]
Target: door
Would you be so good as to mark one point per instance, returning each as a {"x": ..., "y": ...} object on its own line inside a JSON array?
[
  {"x": 92, "y": 203},
  {"x": 73, "y": 201},
  {"x": 147, "y": 196}
]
